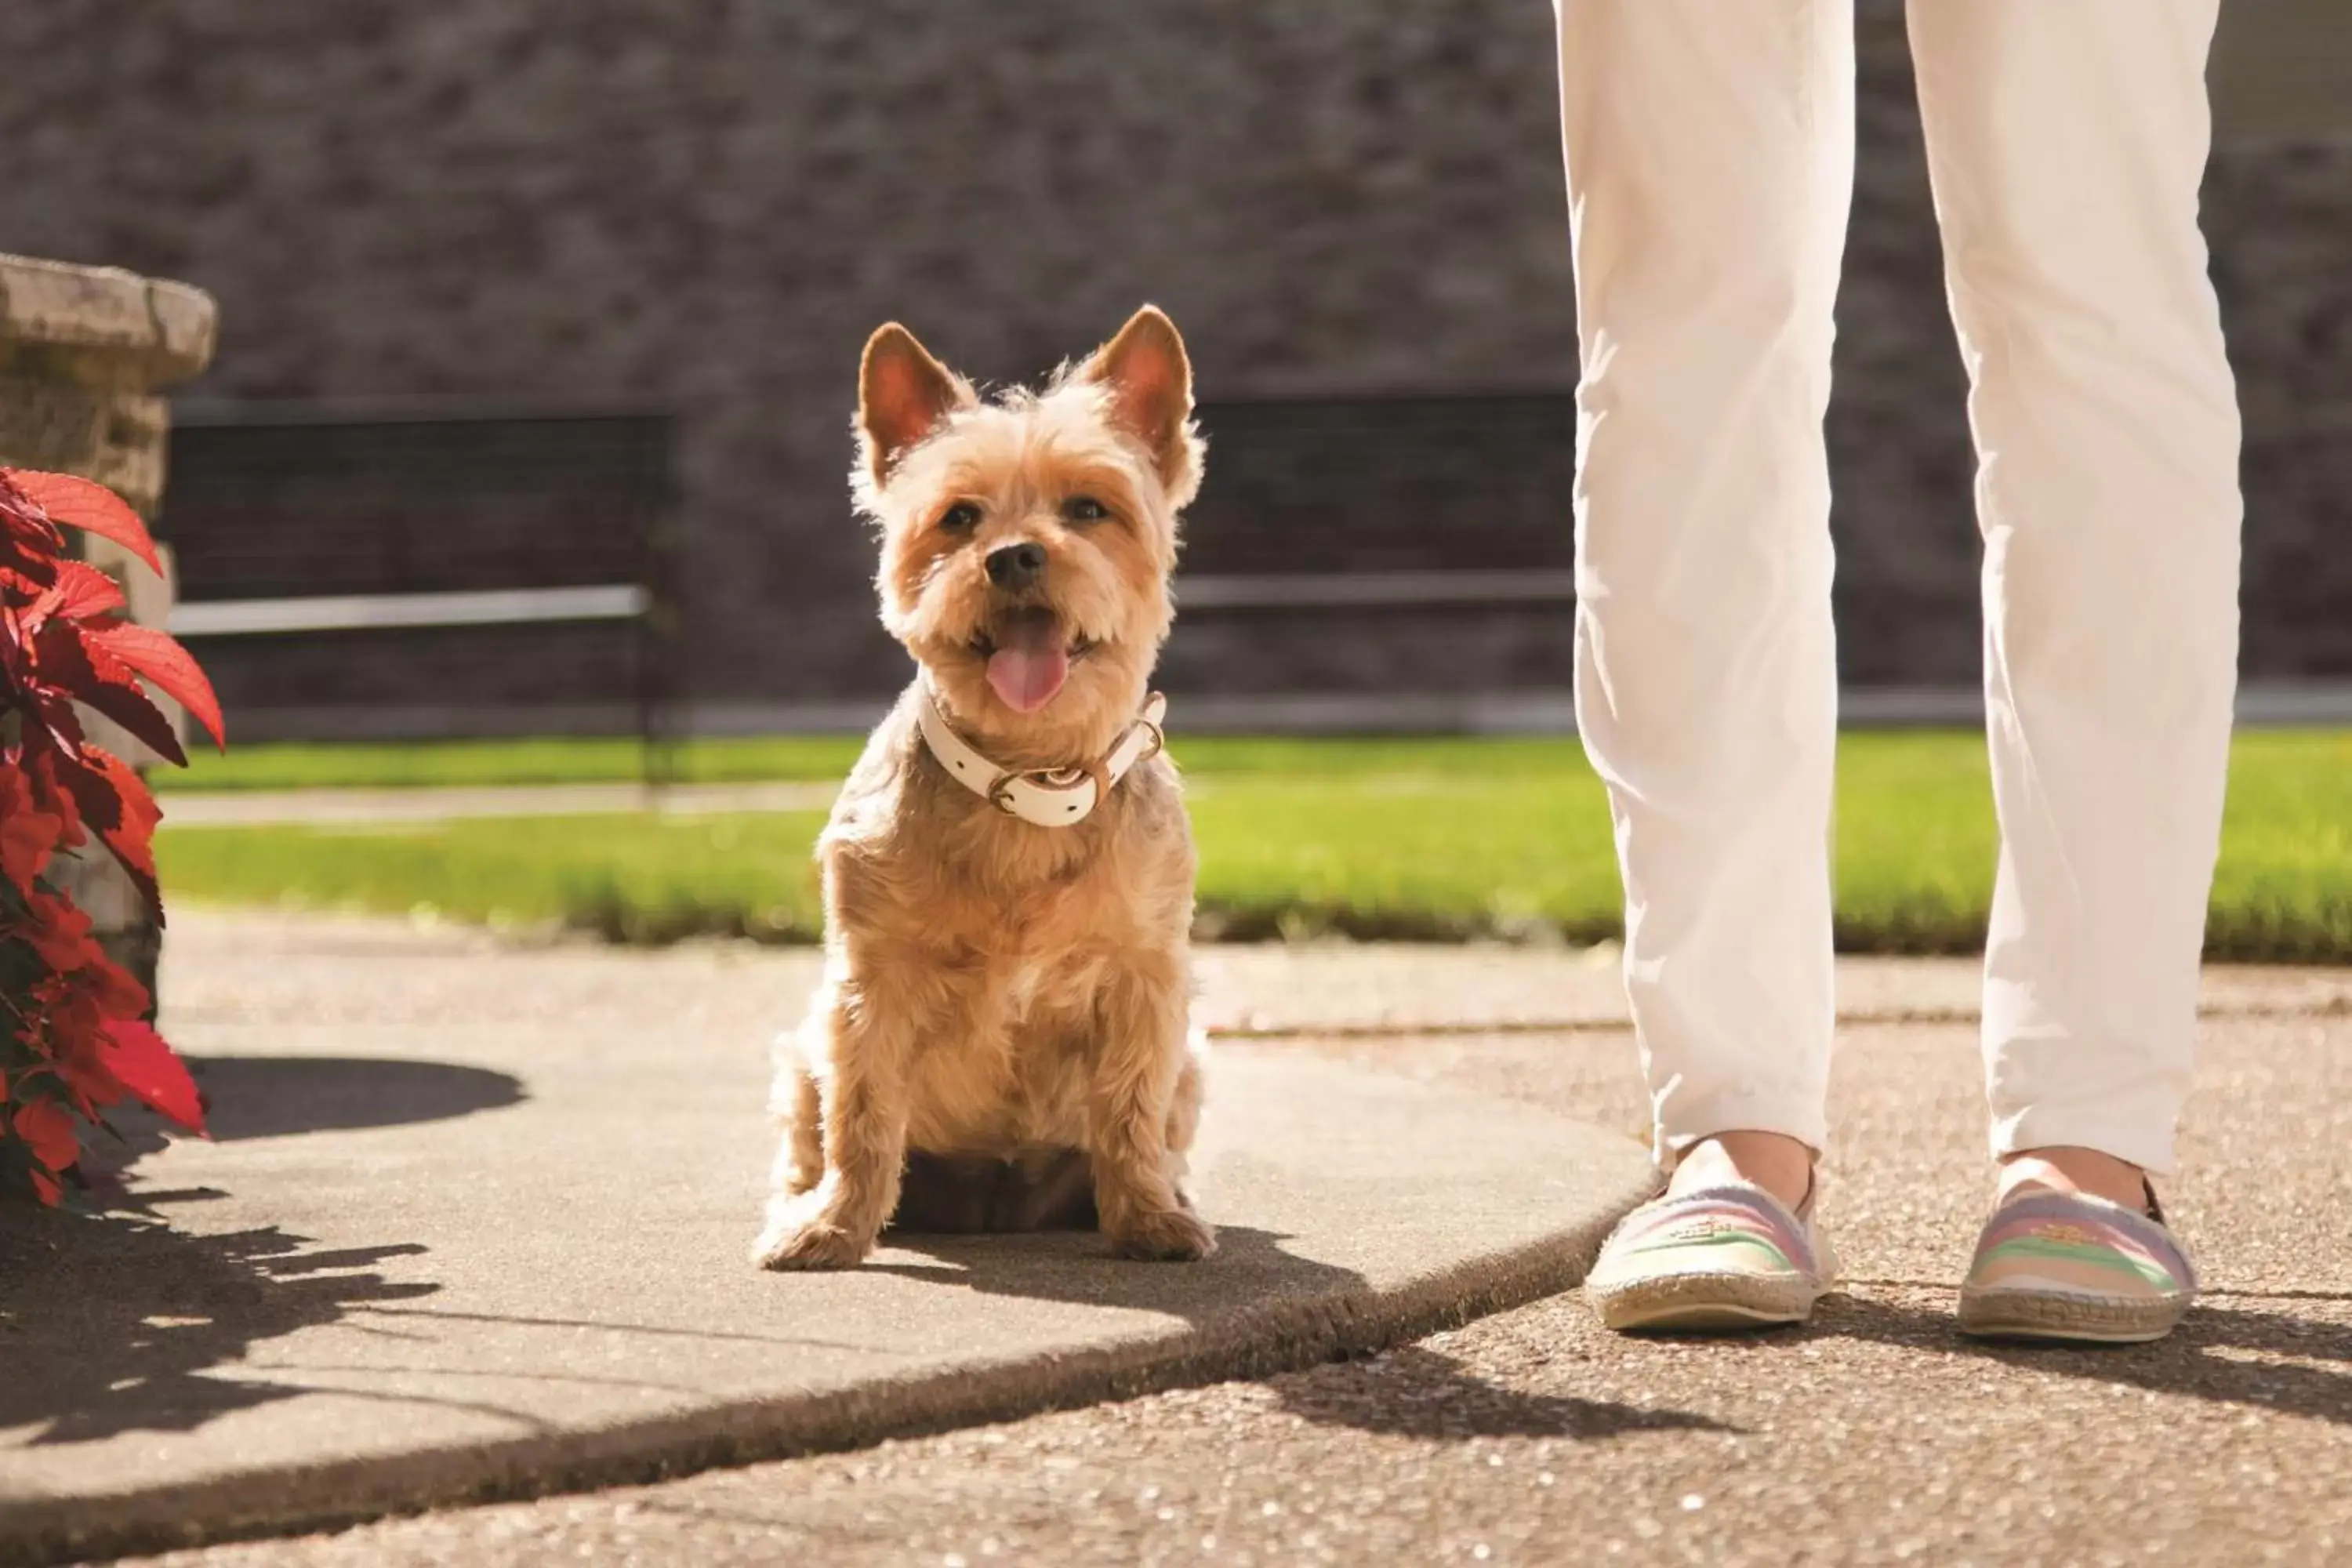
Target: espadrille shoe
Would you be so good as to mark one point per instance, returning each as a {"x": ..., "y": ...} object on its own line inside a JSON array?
[
  {"x": 1727, "y": 1257},
  {"x": 2066, "y": 1266}
]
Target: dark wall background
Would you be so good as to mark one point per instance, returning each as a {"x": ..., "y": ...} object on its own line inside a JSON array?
[{"x": 706, "y": 206}]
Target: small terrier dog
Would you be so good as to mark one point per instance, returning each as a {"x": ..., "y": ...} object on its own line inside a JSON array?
[{"x": 999, "y": 1038}]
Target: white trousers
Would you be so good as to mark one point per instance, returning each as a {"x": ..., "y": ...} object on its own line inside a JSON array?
[{"x": 1710, "y": 164}]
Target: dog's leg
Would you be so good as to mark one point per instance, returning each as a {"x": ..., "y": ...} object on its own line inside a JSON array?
[
  {"x": 862, "y": 1109},
  {"x": 1133, "y": 1103},
  {"x": 1184, "y": 1117},
  {"x": 800, "y": 1110}
]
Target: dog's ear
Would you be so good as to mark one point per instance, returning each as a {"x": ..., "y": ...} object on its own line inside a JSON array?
[
  {"x": 902, "y": 395},
  {"x": 1150, "y": 384}
]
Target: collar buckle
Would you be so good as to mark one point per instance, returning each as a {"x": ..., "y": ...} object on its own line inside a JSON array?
[{"x": 1158, "y": 739}]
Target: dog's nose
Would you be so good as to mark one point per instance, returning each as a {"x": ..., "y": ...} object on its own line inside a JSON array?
[{"x": 1016, "y": 565}]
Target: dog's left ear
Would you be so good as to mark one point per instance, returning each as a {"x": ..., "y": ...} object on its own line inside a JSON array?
[
  {"x": 1150, "y": 384},
  {"x": 903, "y": 394}
]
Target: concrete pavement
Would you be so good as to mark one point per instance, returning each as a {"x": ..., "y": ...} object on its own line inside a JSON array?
[
  {"x": 476, "y": 1220},
  {"x": 1529, "y": 1437}
]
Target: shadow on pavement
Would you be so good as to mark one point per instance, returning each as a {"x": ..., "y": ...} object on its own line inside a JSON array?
[
  {"x": 1250, "y": 1270},
  {"x": 117, "y": 1322},
  {"x": 1412, "y": 1391},
  {"x": 1415, "y": 1392},
  {"x": 278, "y": 1097},
  {"x": 2208, "y": 1357},
  {"x": 273, "y": 1097}
]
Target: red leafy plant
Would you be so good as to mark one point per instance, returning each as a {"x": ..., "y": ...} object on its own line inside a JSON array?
[{"x": 74, "y": 1040}]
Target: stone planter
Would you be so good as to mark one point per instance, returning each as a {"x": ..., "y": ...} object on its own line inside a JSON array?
[{"x": 82, "y": 352}]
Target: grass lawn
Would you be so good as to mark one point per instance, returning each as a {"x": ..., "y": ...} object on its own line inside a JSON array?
[
  {"x": 541, "y": 762},
  {"x": 1420, "y": 838},
  {"x": 785, "y": 758}
]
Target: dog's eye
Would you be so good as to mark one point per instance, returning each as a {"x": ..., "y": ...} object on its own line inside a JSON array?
[
  {"x": 1085, "y": 508},
  {"x": 960, "y": 517}
]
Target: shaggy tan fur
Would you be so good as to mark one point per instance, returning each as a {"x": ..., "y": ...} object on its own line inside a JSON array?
[{"x": 1003, "y": 1009}]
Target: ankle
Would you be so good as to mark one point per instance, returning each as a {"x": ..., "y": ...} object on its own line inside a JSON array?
[
  {"x": 1781, "y": 1166},
  {"x": 2072, "y": 1171}
]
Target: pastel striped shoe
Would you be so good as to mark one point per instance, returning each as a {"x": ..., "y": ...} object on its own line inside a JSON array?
[
  {"x": 2059, "y": 1266},
  {"x": 1728, "y": 1257}
]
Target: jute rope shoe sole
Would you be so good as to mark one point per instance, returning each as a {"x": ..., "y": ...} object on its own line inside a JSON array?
[
  {"x": 1704, "y": 1303},
  {"x": 2032, "y": 1315}
]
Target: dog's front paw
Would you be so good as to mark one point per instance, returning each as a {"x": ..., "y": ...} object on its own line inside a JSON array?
[
  {"x": 797, "y": 1239},
  {"x": 1165, "y": 1235}
]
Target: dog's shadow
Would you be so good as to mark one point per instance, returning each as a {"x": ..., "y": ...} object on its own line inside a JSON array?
[
  {"x": 1259, "y": 1310},
  {"x": 1251, "y": 1272}
]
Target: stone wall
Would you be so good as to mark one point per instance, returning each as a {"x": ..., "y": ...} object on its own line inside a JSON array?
[{"x": 706, "y": 207}]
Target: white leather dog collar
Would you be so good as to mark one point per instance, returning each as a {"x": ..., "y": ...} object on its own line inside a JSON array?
[{"x": 1049, "y": 797}]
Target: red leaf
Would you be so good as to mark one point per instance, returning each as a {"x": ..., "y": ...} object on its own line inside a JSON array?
[
  {"x": 18, "y": 589},
  {"x": 45, "y": 1186},
  {"x": 154, "y": 654},
  {"x": 61, "y": 733},
  {"x": 150, "y": 1070},
  {"x": 90, "y": 507},
  {"x": 58, "y": 930},
  {"x": 35, "y": 565},
  {"x": 112, "y": 804},
  {"x": 28, "y": 836},
  {"x": 92, "y": 1086},
  {"x": 116, "y": 804},
  {"x": 27, "y": 842},
  {"x": 75, "y": 662},
  {"x": 29, "y": 541},
  {"x": 81, "y": 593},
  {"x": 47, "y": 1128},
  {"x": 83, "y": 780},
  {"x": 40, "y": 767}
]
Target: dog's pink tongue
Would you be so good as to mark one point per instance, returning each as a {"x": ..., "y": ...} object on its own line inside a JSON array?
[{"x": 1029, "y": 665}]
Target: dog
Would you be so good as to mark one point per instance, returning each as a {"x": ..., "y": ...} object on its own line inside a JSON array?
[{"x": 999, "y": 1040}]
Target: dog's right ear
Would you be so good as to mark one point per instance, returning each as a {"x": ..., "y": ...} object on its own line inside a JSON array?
[{"x": 902, "y": 395}]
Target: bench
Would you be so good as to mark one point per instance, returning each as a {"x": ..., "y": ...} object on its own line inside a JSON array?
[{"x": 426, "y": 570}]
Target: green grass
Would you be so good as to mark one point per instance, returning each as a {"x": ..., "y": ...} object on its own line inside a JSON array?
[
  {"x": 1428, "y": 838},
  {"x": 534, "y": 762},
  {"x": 760, "y": 759}
]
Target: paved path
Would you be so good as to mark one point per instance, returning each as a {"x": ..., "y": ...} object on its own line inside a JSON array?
[
  {"x": 476, "y": 1220},
  {"x": 1878, "y": 1436}
]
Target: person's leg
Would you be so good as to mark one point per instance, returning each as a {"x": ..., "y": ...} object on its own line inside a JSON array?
[
  {"x": 1710, "y": 163},
  {"x": 2067, "y": 140}
]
